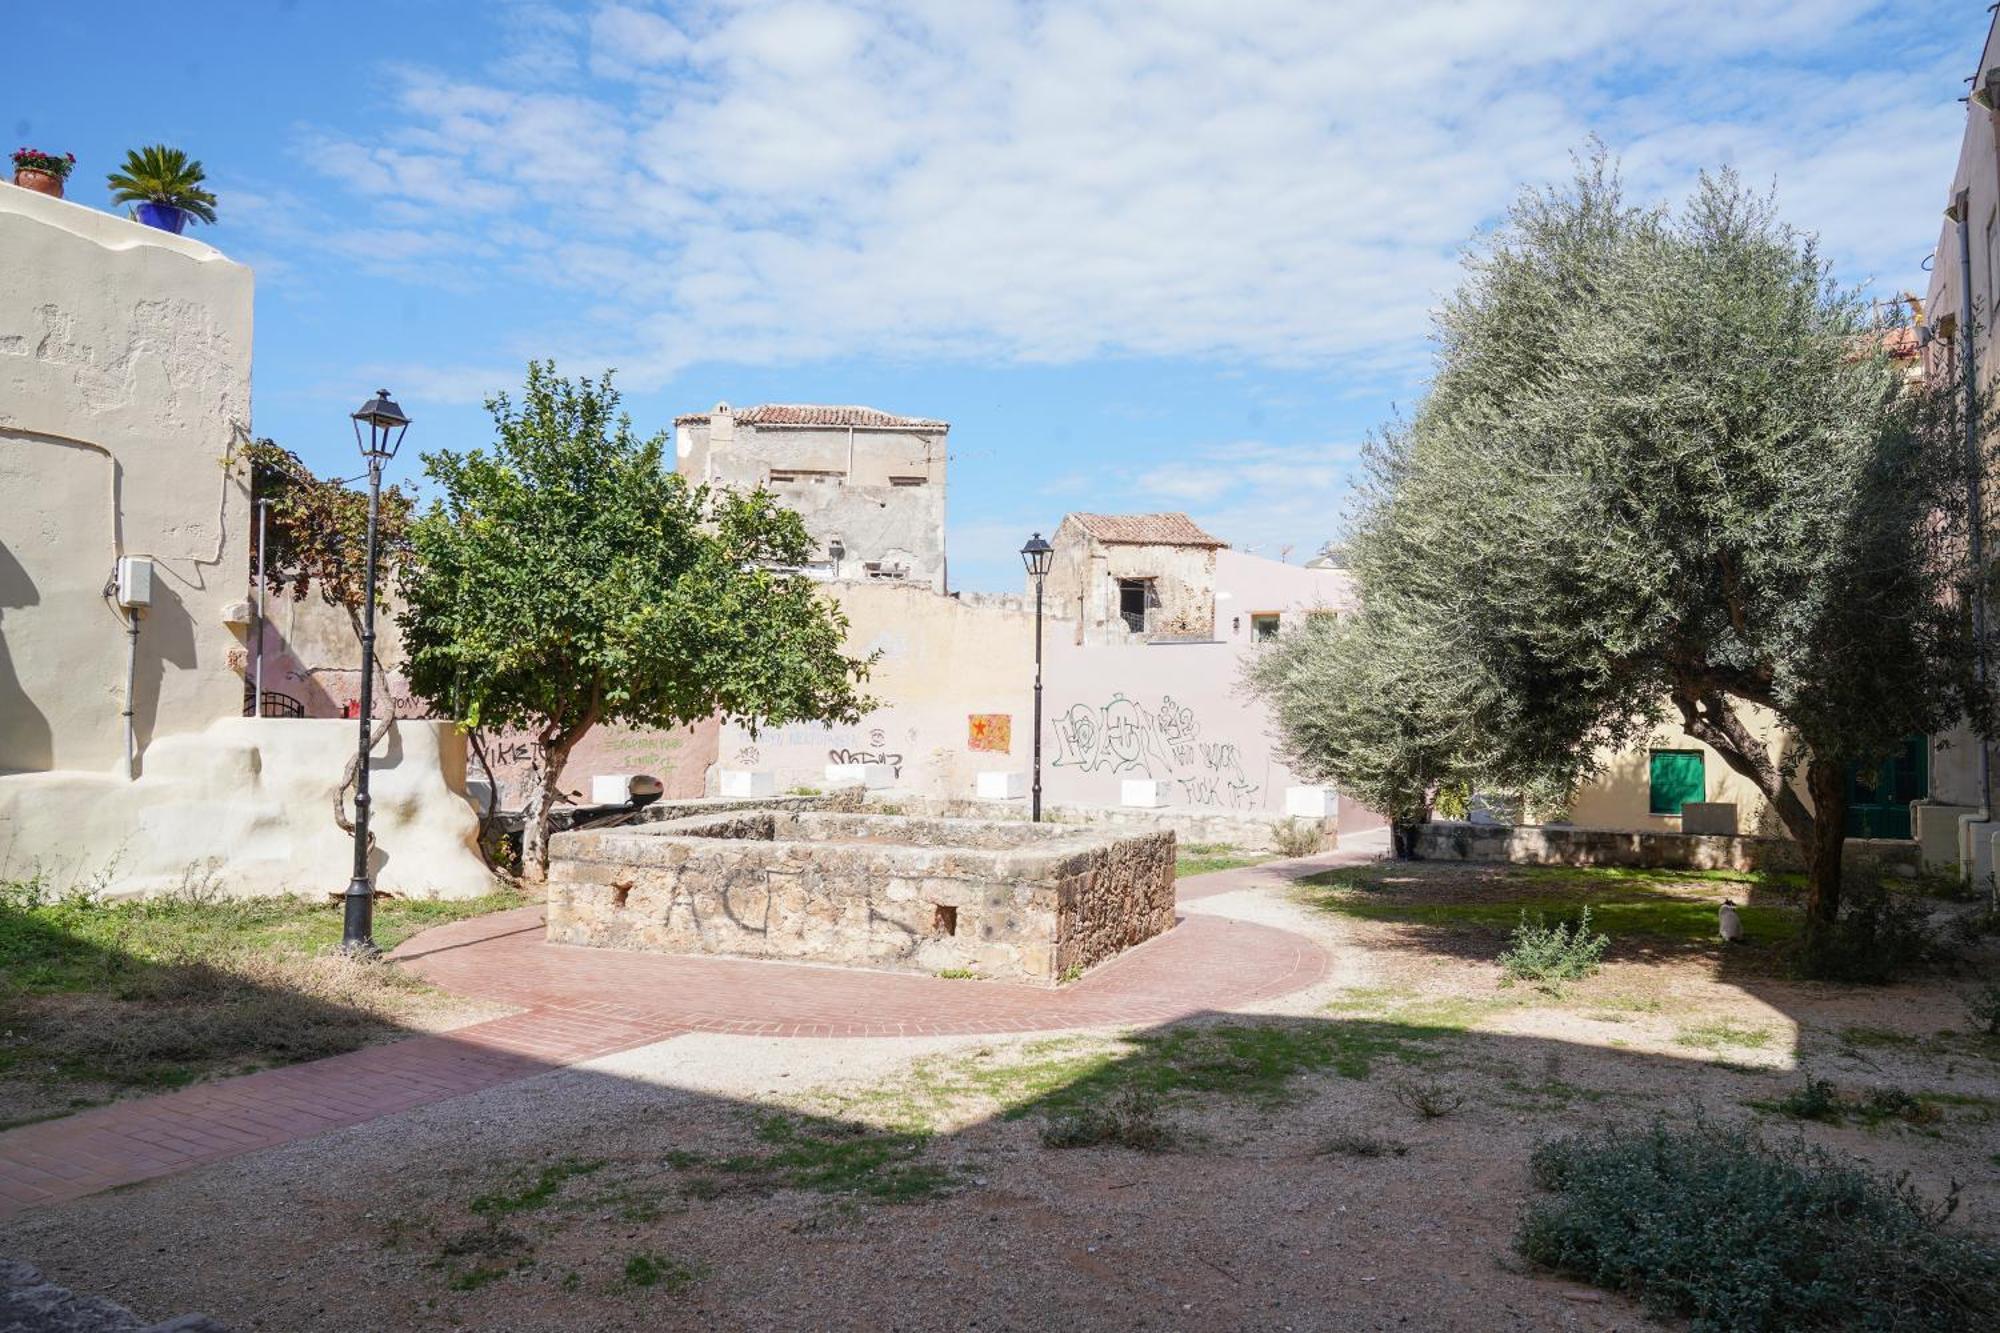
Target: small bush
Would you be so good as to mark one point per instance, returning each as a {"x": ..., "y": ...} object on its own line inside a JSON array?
[
  {"x": 1880, "y": 935},
  {"x": 1428, "y": 1098},
  {"x": 1817, "y": 1100},
  {"x": 1351, "y": 1144},
  {"x": 1298, "y": 837},
  {"x": 1131, "y": 1119},
  {"x": 1715, "y": 1226},
  {"x": 653, "y": 1270},
  {"x": 1983, "y": 1008},
  {"x": 1550, "y": 956}
]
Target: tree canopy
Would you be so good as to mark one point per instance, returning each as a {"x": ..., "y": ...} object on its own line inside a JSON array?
[
  {"x": 1664, "y": 469},
  {"x": 569, "y": 578}
]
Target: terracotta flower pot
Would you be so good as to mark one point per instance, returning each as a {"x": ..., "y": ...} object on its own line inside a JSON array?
[{"x": 41, "y": 182}]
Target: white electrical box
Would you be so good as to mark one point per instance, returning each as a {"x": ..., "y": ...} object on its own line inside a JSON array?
[{"x": 135, "y": 580}]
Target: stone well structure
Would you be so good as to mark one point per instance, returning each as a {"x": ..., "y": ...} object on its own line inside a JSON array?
[{"x": 1007, "y": 900}]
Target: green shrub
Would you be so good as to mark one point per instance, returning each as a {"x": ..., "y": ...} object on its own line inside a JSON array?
[
  {"x": 1297, "y": 837},
  {"x": 1817, "y": 1100},
  {"x": 1713, "y": 1225},
  {"x": 1549, "y": 955},
  {"x": 1881, "y": 934},
  {"x": 1983, "y": 1008}
]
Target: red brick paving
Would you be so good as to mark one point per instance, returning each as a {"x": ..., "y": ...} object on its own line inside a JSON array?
[{"x": 578, "y": 1003}]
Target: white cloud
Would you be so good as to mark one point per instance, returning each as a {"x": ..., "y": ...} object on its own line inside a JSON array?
[{"x": 1284, "y": 183}]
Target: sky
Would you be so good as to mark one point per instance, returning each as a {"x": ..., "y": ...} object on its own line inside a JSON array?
[{"x": 1142, "y": 256}]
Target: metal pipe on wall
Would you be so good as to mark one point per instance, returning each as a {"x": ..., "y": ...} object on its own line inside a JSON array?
[{"x": 1961, "y": 213}]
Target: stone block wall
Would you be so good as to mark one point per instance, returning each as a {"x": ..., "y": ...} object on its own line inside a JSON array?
[
  {"x": 1555, "y": 844},
  {"x": 1007, "y": 901}
]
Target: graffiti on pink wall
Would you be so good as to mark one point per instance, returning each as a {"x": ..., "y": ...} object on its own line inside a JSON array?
[{"x": 1160, "y": 742}]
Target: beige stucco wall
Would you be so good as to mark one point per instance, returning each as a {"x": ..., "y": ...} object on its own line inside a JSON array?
[
  {"x": 943, "y": 660},
  {"x": 244, "y": 806},
  {"x": 124, "y": 387},
  {"x": 1619, "y": 798},
  {"x": 124, "y": 384}
]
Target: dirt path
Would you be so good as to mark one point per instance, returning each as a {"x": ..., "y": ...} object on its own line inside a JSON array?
[{"x": 718, "y": 1181}]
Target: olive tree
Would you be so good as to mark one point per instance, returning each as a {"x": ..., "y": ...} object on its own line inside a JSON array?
[
  {"x": 1664, "y": 470},
  {"x": 569, "y": 578}
]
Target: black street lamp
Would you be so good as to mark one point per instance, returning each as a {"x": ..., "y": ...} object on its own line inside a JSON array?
[
  {"x": 1038, "y": 555},
  {"x": 378, "y": 430}
]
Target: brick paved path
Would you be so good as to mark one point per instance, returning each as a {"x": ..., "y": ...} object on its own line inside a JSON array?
[{"x": 578, "y": 1003}]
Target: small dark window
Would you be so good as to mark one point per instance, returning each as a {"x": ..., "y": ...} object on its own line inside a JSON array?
[
  {"x": 1264, "y": 626},
  {"x": 1134, "y": 596},
  {"x": 944, "y": 920},
  {"x": 909, "y": 481}
]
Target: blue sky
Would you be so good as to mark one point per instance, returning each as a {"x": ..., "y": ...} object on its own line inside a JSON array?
[{"x": 1142, "y": 256}]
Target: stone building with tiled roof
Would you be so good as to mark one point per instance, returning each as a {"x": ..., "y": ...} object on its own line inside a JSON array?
[
  {"x": 1135, "y": 578},
  {"x": 869, "y": 484}
]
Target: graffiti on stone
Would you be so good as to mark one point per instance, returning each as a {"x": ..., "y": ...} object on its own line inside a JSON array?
[{"x": 1121, "y": 737}]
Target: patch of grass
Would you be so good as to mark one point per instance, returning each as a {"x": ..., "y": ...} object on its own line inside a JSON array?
[
  {"x": 1636, "y": 903},
  {"x": 1204, "y": 858},
  {"x": 539, "y": 1192},
  {"x": 1713, "y": 1225},
  {"x": 957, "y": 974},
  {"x": 1722, "y": 1033},
  {"x": 655, "y": 1270},
  {"x": 1553, "y": 956},
  {"x": 157, "y": 993},
  {"x": 1819, "y": 1100},
  {"x": 1130, "y": 1120},
  {"x": 836, "y": 1157}
]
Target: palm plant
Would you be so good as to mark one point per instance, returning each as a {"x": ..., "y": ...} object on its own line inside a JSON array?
[{"x": 162, "y": 175}]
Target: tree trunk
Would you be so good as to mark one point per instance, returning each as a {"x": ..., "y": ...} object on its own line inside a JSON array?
[
  {"x": 535, "y": 818},
  {"x": 1826, "y": 786}
]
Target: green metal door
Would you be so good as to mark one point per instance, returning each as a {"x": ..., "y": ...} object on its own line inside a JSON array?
[{"x": 1879, "y": 802}]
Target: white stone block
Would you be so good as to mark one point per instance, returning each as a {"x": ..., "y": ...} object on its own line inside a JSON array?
[
  {"x": 1007, "y": 786},
  {"x": 746, "y": 782},
  {"x": 1144, "y": 793},
  {"x": 871, "y": 776},
  {"x": 611, "y": 788},
  {"x": 1311, "y": 802}
]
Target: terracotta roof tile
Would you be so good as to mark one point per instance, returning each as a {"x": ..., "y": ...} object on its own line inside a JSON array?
[
  {"x": 1145, "y": 530},
  {"x": 817, "y": 414}
]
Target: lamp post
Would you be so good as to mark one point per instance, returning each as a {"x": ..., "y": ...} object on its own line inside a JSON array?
[
  {"x": 1038, "y": 555},
  {"x": 378, "y": 430}
]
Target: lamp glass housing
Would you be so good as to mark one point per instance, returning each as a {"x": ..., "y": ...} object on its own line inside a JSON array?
[
  {"x": 1037, "y": 556},
  {"x": 379, "y": 426}
]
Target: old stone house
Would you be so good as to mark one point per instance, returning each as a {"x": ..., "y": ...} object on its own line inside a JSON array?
[
  {"x": 1134, "y": 578},
  {"x": 869, "y": 484}
]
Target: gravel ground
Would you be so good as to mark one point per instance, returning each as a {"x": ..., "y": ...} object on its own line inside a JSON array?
[{"x": 1251, "y": 1224}]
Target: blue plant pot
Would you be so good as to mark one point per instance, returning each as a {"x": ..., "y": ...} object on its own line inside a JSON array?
[{"x": 164, "y": 216}]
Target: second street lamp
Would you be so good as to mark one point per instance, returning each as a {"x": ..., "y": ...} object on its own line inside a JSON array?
[
  {"x": 1038, "y": 555},
  {"x": 378, "y": 430}
]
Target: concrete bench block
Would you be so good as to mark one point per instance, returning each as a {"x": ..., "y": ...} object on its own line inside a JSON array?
[
  {"x": 746, "y": 782},
  {"x": 1007, "y": 786},
  {"x": 1144, "y": 793},
  {"x": 1709, "y": 817},
  {"x": 1311, "y": 802},
  {"x": 871, "y": 776}
]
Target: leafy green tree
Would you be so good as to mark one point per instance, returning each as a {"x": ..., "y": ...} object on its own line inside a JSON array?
[
  {"x": 1356, "y": 705},
  {"x": 569, "y": 578},
  {"x": 1663, "y": 469}
]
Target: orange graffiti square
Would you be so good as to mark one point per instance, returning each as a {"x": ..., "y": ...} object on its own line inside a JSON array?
[{"x": 990, "y": 731}]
